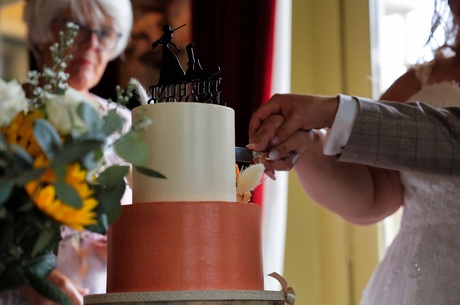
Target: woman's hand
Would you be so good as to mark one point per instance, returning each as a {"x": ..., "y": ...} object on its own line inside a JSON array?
[
  {"x": 100, "y": 247},
  {"x": 62, "y": 282}
]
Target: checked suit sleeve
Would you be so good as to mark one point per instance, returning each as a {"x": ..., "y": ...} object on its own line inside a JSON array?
[{"x": 405, "y": 136}]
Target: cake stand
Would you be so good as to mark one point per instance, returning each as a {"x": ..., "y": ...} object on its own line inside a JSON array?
[{"x": 192, "y": 297}]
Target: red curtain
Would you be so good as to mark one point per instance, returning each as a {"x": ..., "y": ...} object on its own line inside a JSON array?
[{"x": 238, "y": 37}]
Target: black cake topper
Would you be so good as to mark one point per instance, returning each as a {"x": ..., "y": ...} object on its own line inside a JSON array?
[{"x": 175, "y": 85}]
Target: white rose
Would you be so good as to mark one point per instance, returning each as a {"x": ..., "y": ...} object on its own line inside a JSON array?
[
  {"x": 62, "y": 111},
  {"x": 12, "y": 101}
]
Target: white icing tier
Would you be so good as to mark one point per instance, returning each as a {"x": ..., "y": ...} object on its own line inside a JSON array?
[{"x": 193, "y": 145}]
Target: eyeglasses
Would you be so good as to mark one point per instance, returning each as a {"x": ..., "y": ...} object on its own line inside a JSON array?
[{"x": 107, "y": 38}]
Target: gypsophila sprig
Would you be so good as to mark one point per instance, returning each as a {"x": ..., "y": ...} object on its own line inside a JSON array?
[
  {"x": 125, "y": 94},
  {"x": 53, "y": 78},
  {"x": 57, "y": 169}
]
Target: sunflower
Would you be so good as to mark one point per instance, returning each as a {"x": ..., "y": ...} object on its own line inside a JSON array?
[
  {"x": 43, "y": 195},
  {"x": 20, "y": 131}
]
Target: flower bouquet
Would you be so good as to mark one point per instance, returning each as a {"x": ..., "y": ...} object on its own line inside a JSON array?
[{"x": 54, "y": 170}]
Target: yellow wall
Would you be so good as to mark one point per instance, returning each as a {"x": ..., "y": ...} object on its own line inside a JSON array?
[{"x": 328, "y": 261}]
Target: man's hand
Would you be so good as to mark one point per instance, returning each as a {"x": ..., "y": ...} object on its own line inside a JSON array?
[
  {"x": 286, "y": 126},
  {"x": 300, "y": 113}
]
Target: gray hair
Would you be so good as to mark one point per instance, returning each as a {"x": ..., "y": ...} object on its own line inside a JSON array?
[{"x": 38, "y": 15}]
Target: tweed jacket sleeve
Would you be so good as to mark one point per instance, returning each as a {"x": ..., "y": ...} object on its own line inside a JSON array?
[{"x": 405, "y": 136}]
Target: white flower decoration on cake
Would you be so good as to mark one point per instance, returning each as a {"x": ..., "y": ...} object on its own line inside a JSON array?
[{"x": 247, "y": 180}]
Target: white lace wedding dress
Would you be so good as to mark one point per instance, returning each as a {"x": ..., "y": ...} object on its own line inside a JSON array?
[{"x": 422, "y": 265}]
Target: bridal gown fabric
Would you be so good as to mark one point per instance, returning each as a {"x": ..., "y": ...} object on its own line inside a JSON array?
[{"x": 422, "y": 265}]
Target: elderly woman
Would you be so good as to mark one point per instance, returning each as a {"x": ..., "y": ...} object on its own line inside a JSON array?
[{"x": 104, "y": 30}]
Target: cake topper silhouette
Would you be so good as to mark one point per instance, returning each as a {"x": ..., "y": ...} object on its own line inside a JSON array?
[
  {"x": 171, "y": 70},
  {"x": 195, "y": 71},
  {"x": 175, "y": 85}
]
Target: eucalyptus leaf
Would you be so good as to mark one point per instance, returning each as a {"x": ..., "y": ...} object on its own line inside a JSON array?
[
  {"x": 97, "y": 134},
  {"x": 47, "y": 137},
  {"x": 75, "y": 150},
  {"x": 6, "y": 187},
  {"x": 89, "y": 116},
  {"x": 149, "y": 172},
  {"x": 132, "y": 148},
  {"x": 112, "y": 175},
  {"x": 113, "y": 122},
  {"x": 91, "y": 160},
  {"x": 110, "y": 200},
  {"x": 42, "y": 265},
  {"x": 22, "y": 154},
  {"x": 42, "y": 242},
  {"x": 60, "y": 172},
  {"x": 67, "y": 194},
  {"x": 29, "y": 175},
  {"x": 114, "y": 213}
]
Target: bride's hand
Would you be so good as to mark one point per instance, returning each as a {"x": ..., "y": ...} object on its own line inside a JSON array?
[
  {"x": 284, "y": 156},
  {"x": 62, "y": 282}
]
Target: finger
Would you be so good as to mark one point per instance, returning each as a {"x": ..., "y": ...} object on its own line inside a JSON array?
[
  {"x": 75, "y": 296},
  {"x": 297, "y": 144},
  {"x": 283, "y": 164},
  {"x": 261, "y": 139},
  {"x": 269, "y": 171},
  {"x": 287, "y": 129},
  {"x": 306, "y": 113},
  {"x": 83, "y": 291},
  {"x": 100, "y": 248},
  {"x": 72, "y": 292},
  {"x": 66, "y": 285},
  {"x": 272, "y": 106}
]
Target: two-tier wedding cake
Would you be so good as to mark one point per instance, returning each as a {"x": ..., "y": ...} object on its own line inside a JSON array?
[{"x": 186, "y": 232}]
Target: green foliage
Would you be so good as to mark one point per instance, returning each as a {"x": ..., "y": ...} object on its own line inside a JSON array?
[
  {"x": 47, "y": 137},
  {"x": 149, "y": 172},
  {"x": 132, "y": 148},
  {"x": 28, "y": 234},
  {"x": 67, "y": 194}
]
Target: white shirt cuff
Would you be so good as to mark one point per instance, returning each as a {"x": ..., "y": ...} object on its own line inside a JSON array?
[{"x": 337, "y": 136}]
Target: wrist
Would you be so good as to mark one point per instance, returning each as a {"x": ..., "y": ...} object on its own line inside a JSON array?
[
  {"x": 332, "y": 103},
  {"x": 340, "y": 130}
]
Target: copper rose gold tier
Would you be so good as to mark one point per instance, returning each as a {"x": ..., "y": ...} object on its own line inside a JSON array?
[{"x": 165, "y": 246}]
